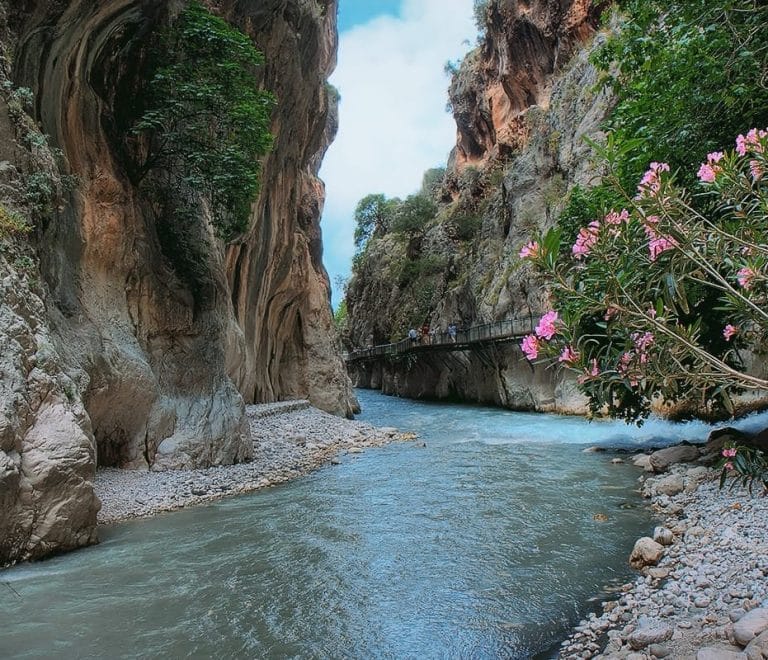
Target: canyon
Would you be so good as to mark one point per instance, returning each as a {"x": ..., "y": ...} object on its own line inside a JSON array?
[{"x": 523, "y": 100}]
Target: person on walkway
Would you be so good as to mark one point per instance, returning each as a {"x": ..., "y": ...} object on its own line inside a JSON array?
[
  {"x": 425, "y": 333},
  {"x": 452, "y": 332},
  {"x": 413, "y": 336}
]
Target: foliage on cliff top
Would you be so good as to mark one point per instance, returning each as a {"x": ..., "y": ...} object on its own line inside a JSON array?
[
  {"x": 207, "y": 118},
  {"x": 689, "y": 75}
]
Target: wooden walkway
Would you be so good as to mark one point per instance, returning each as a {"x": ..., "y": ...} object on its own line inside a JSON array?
[{"x": 499, "y": 331}]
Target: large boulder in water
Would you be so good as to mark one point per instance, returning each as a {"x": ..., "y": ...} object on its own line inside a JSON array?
[{"x": 663, "y": 459}]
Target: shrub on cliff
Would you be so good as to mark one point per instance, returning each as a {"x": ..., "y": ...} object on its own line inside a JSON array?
[
  {"x": 206, "y": 119},
  {"x": 657, "y": 299}
]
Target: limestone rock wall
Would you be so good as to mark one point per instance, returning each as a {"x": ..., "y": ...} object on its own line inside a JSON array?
[{"x": 110, "y": 356}]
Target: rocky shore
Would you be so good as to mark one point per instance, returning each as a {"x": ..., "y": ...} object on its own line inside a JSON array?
[
  {"x": 290, "y": 439},
  {"x": 703, "y": 589}
]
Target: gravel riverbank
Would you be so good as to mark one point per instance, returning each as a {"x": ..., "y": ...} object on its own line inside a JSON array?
[
  {"x": 290, "y": 439},
  {"x": 703, "y": 592}
]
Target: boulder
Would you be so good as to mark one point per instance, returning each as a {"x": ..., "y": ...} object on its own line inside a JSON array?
[
  {"x": 662, "y": 459},
  {"x": 719, "y": 653},
  {"x": 663, "y": 536},
  {"x": 670, "y": 485},
  {"x": 757, "y": 649},
  {"x": 646, "y": 553},
  {"x": 751, "y": 625},
  {"x": 643, "y": 461},
  {"x": 650, "y": 632}
]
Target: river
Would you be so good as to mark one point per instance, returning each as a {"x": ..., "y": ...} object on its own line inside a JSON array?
[{"x": 481, "y": 544}]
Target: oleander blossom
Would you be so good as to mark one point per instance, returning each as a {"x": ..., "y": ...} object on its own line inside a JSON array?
[
  {"x": 530, "y": 250},
  {"x": 745, "y": 277},
  {"x": 659, "y": 244},
  {"x": 729, "y": 452},
  {"x": 728, "y": 466},
  {"x": 614, "y": 218},
  {"x": 730, "y": 331},
  {"x": 569, "y": 356},
  {"x": 546, "y": 328},
  {"x": 708, "y": 171},
  {"x": 530, "y": 347},
  {"x": 592, "y": 372},
  {"x": 756, "y": 169},
  {"x": 586, "y": 239},
  {"x": 750, "y": 142},
  {"x": 650, "y": 184}
]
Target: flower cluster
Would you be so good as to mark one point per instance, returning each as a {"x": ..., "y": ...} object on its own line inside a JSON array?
[
  {"x": 751, "y": 142},
  {"x": 586, "y": 240},
  {"x": 730, "y": 331},
  {"x": 544, "y": 331},
  {"x": 650, "y": 184},
  {"x": 531, "y": 250},
  {"x": 708, "y": 171},
  {"x": 745, "y": 277}
]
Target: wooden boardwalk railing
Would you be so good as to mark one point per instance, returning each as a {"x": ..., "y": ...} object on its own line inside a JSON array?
[{"x": 477, "y": 334}]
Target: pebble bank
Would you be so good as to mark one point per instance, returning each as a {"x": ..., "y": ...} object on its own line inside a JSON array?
[
  {"x": 290, "y": 439},
  {"x": 703, "y": 588}
]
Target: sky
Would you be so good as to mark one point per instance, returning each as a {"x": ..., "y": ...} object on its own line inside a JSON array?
[{"x": 392, "y": 120}]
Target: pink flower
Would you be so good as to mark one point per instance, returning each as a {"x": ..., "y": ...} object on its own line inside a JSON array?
[
  {"x": 642, "y": 341},
  {"x": 728, "y": 466},
  {"x": 730, "y": 331},
  {"x": 568, "y": 355},
  {"x": 750, "y": 142},
  {"x": 586, "y": 240},
  {"x": 614, "y": 218},
  {"x": 707, "y": 173},
  {"x": 530, "y": 250},
  {"x": 745, "y": 277},
  {"x": 756, "y": 169},
  {"x": 660, "y": 244},
  {"x": 530, "y": 347},
  {"x": 650, "y": 184},
  {"x": 709, "y": 170},
  {"x": 546, "y": 327},
  {"x": 594, "y": 372},
  {"x": 729, "y": 452}
]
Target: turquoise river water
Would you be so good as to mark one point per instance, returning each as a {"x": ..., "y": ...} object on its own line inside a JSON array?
[{"x": 483, "y": 544}]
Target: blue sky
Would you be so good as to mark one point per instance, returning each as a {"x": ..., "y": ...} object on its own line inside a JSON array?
[{"x": 392, "y": 120}]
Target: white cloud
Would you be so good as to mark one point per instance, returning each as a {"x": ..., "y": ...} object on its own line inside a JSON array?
[{"x": 393, "y": 124}]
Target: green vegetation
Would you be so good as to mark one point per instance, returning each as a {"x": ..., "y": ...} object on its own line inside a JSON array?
[
  {"x": 689, "y": 76},
  {"x": 12, "y": 223},
  {"x": 413, "y": 214},
  {"x": 373, "y": 216},
  {"x": 206, "y": 120}
]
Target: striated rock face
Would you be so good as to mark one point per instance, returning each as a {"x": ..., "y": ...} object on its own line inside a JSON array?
[
  {"x": 525, "y": 43},
  {"x": 523, "y": 102},
  {"x": 143, "y": 367}
]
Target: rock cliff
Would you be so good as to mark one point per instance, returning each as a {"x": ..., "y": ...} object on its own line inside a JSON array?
[
  {"x": 523, "y": 101},
  {"x": 110, "y": 355}
]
